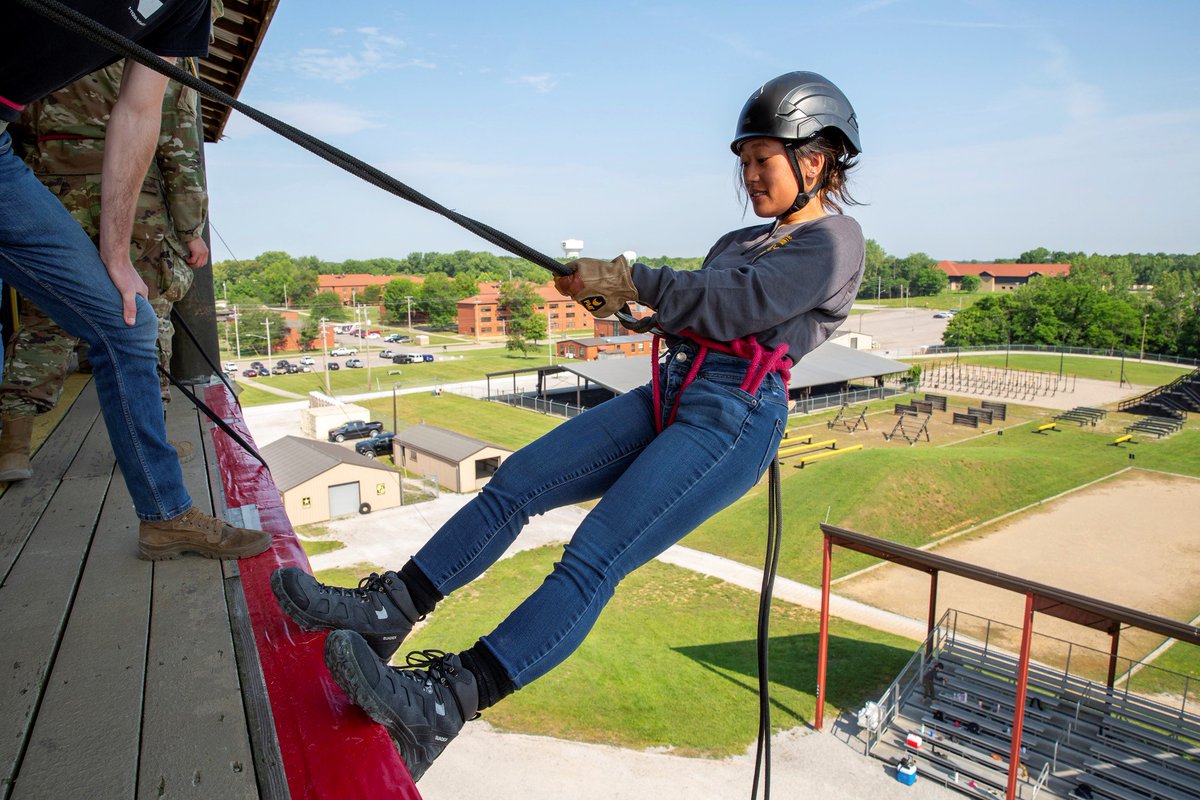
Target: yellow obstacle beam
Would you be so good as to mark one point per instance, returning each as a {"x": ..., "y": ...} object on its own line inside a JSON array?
[
  {"x": 1122, "y": 439},
  {"x": 1049, "y": 426},
  {"x": 806, "y": 448},
  {"x": 818, "y": 456},
  {"x": 788, "y": 441}
]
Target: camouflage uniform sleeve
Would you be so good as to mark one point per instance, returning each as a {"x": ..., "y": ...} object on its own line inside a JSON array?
[{"x": 178, "y": 160}]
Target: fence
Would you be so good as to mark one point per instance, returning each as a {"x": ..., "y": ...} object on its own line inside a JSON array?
[
  {"x": 1111, "y": 352},
  {"x": 893, "y": 697},
  {"x": 822, "y": 402},
  {"x": 995, "y": 381},
  {"x": 534, "y": 403}
]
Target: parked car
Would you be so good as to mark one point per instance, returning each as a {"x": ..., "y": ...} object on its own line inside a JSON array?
[
  {"x": 307, "y": 360},
  {"x": 283, "y": 362},
  {"x": 279, "y": 369},
  {"x": 332, "y": 366},
  {"x": 258, "y": 365},
  {"x": 294, "y": 369},
  {"x": 943, "y": 315},
  {"x": 354, "y": 363},
  {"x": 355, "y": 429},
  {"x": 412, "y": 358},
  {"x": 378, "y": 445},
  {"x": 396, "y": 337},
  {"x": 374, "y": 334},
  {"x": 343, "y": 351},
  {"x": 231, "y": 366},
  {"x": 250, "y": 373},
  {"x": 386, "y": 354},
  {"x": 304, "y": 368}
]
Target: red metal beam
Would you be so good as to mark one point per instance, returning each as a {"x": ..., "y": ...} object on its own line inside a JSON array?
[
  {"x": 823, "y": 636},
  {"x": 932, "y": 620},
  {"x": 1112, "y": 656},
  {"x": 1014, "y": 755},
  {"x": 331, "y": 749}
]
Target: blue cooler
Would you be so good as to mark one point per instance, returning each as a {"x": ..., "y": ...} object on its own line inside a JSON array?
[{"x": 907, "y": 775}]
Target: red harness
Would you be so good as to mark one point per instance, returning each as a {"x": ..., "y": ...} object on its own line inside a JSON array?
[{"x": 763, "y": 361}]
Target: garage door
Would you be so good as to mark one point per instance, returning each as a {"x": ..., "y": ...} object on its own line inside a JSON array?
[{"x": 343, "y": 499}]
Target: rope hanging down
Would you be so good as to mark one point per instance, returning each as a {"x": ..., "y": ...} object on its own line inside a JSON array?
[{"x": 74, "y": 21}]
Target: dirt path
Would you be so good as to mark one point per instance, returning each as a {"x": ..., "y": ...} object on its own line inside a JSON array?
[{"x": 1131, "y": 540}]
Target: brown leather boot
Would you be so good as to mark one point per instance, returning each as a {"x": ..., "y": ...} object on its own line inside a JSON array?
[
  {"x": 15, "y": 441},
  {"x": 193, "y": 531}
]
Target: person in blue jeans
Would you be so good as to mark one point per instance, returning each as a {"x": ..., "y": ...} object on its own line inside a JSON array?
[
  {"x": 97, "y": 295},
  {"x": 661, "y": 459}
]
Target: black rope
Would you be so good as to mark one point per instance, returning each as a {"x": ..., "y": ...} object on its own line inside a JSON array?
[
  {"x": 762, "y": 759},
  {"x": 212, "y": 415},
  {"x": 177, "y": 318}
]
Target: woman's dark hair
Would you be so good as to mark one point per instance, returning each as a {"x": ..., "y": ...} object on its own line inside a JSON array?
[{"x": 838, "y": 163}]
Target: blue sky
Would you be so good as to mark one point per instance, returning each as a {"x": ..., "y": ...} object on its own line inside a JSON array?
[{"x": 989, "y": 128}]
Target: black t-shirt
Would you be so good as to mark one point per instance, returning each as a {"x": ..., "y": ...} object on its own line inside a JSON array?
[{"x": 37, "y": 55}]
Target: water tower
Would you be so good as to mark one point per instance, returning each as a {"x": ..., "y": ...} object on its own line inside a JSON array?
[{"x": 572, "y": 248}]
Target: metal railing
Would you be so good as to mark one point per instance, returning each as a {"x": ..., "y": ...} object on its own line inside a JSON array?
[
  {"x": 1110, "y": 352},
  {"x": 534, "y": 403},
  {"x": 825, "y": 401}
]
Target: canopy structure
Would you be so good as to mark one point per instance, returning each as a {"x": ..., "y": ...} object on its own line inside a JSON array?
[{"x": 237, "y": 35}]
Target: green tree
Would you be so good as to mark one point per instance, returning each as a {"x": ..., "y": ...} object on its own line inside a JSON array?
[
  {"x": 928, "y": 281},
  {"x": 253, "y": 327},
  {"x": 525, "y": 325},
  {"x": 372, "y": 293},
  {"x": 395, "y": 299},
  {"x": 970, "y": 283},
  {"x": 437, "y": 298},
  {"x": 328, "y": 304},
  {"x": 875, "y": 273}
]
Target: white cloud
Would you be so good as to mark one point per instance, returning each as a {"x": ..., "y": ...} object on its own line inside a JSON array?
[
  {"x": 322, "y": 118},
  {"x": 542, "y": 83},
  {"x": 375, "y": 52}
]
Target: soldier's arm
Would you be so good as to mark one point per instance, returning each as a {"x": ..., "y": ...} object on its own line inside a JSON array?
[
  {"x": 178, "y": 160},
  {"x": 131, "y": 137}
]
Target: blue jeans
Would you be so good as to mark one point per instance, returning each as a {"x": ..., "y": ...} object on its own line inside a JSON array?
[
  {"x": 51, "y": 261},
  {"x": 655, "y": 489}
]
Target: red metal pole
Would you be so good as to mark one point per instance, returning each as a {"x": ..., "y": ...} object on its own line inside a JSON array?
[
  {"x": 1112, "y": 656},
  {"x": 933, "y": 581},
  {"x": 1014, "y": 756},
  {"x": 823, "y": 637}
]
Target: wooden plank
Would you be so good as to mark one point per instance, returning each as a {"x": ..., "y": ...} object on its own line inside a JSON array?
[
  {"x": 86, "y": 734},
  {"x": 192, "y": 682},
  {"x": 23, "y": 502},
  {"x": 35, "y": 601}
]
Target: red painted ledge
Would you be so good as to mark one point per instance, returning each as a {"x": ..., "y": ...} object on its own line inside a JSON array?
[{"x": 331, "y": 750}]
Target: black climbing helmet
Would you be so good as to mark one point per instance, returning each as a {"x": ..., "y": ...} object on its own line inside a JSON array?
[{"x": 795, "y": 107}]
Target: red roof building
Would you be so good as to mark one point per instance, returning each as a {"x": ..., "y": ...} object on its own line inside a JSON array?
[
  {"x": 349, "y": 285},
  {"x": 1000, "y": 277},
  {"x": 482, "y": 315}
]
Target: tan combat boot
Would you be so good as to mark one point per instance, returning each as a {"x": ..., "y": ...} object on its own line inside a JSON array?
[
  {"x": 15, "y": 441},
  {"x": 193, "y": 531}
]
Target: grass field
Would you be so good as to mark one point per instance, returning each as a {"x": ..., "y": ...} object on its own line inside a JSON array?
[
  {"x": 491, "y": 422},
  {"x": 945, "y": 301},
  {"x": 667, "y": 634}
]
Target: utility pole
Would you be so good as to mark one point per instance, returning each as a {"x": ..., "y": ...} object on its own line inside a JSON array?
[
  {"x": 408, "y": 299},
  {"x": 325, "y": 356},
  {"x": 267, "y": 322},
  {"x": 236, "y": 336},
  {"x": 1142, "y": 354}
]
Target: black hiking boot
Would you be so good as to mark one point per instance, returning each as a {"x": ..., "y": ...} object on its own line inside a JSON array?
[
  {"x": 423, "y": 708},
  {"x": 379, "y": 609}
]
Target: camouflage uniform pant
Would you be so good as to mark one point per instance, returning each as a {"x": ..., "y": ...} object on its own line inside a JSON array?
[{"x": 39, "y": 355}]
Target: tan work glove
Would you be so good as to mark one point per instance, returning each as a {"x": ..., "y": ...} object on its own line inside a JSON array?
[{"x": 601, "y": 287}]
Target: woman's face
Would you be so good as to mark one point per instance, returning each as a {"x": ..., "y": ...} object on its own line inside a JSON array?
[{"x": 768, "y": 177}]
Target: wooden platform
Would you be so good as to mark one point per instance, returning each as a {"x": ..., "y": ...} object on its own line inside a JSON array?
[{"x": 122, "y": 678}]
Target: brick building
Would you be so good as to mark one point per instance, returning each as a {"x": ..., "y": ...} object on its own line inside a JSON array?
[
  {"x": 482, "y": 315},
  {"x": 350, "y": 285},
  {"x": 591, "y": 348},
  {"x": 1000, "y": 277}
]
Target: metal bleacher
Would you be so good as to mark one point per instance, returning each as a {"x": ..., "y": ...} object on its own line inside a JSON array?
[{"x": 956, "y": 721}]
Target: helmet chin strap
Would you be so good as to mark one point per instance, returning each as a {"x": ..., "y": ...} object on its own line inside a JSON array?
[{"x": 802, "y": 197}]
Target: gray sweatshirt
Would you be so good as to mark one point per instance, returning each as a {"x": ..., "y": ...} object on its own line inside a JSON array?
[{"x": 793, "y": 284}]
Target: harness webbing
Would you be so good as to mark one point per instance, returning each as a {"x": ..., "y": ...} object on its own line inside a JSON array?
[{"x": 763, "y": 361}]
